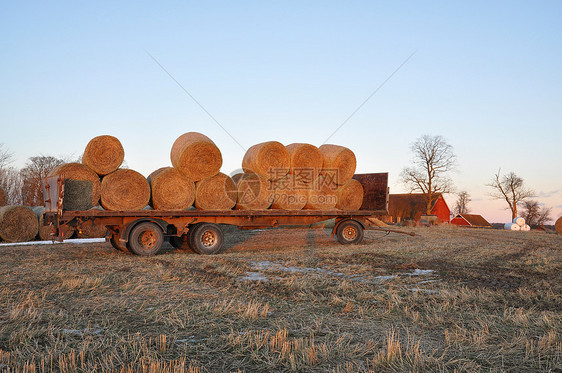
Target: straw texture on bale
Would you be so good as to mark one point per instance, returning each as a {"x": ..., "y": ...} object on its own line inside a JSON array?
[
  {"x": 289, "y": 194},
  {"x": 268, "y": 159},
  {"x": 215, "y": 193},
  {"x": 124, "y": 190},
  {"x": 77, "y": 195},
  {"x": 339, "y": 163},
  {"x": 18, "y": 224},
  {"x": 254, "y": 192},
  {"x": 2, "y": 197},
  {"x": 196, "y": 156},
  {"x": 519, "y": 221},
  {"x": 558, "y": 225},
  {"x": 171, "y": 190},
  {"x": 322, "y": 196},
  {"x": 103, "y": 154},
  {"x": 350, "y": 196},
  {"x": 89, "y": 229},
  {"x": 305, "y": 160},
  {"x": 44, "y": 233},
  {"x": 77, "y": 171}
]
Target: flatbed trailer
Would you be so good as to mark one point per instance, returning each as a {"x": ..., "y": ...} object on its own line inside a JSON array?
[{"x": 144, "y": 231}]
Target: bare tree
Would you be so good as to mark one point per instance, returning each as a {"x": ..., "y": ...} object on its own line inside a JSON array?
[
  {"x": 510, "y": 188},
  {"x": 33, "y": 174},
  {"x": 6, "y": 157},
  {"x": 535, "y": 214},
  {"x": 432, "y": 159},
  {"x": 461, "y": 206},
  {"x": 11, "y": 182}
]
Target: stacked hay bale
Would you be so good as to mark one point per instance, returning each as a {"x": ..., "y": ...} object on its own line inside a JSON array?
[
  {"x": 558, "y": 225},
  {"x": 18, "y": 223},
  {"x": 254, "y": 192},
  {"x": 518, "y": 224},
  {"x": 199, "y": 160},
  {"x": 171, "y": 190},
  {"x": 82, "y": 186}
]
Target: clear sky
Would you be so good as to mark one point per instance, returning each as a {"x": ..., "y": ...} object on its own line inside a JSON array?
[{"x": 487, "y": 76}]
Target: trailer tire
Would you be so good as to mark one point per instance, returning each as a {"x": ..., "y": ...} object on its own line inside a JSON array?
[
  {"x": 145, "y": 239},
  {"x": 114, "y": 240},
  {"x": 349, "y": 232},
  {"x": 181, "y": 242},
  {"x": 206, "y": 239}
]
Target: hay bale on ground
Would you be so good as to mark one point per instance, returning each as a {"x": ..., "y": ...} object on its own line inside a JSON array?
[
  {"x": 44, "y": 233},
  {"x": 215, "y": 193},
  {"x": 268, "y": 159},
  {"x": 322, "y": 195},
  {"x": 2, "y": 197},
  {"x": 289, "y": 194},
  {"x": 196, "y": 156},
  {"x": 558, "y": 225},
  {"x": 171, "y": 190},
  {"x": 18, "y": 224},
  {"x": 254, "y": 192},
  {"x": 77, "y": 171},
  {"x": 305, "y": 161},
  {"x": 124, "y": 190},
  {"x": 350, "y": 196},
  {"x": 339, "y": 163},
  {"x": 103, "y": 154}
]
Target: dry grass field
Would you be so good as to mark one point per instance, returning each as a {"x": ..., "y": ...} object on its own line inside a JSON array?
[{"x": 447, "y": 299}]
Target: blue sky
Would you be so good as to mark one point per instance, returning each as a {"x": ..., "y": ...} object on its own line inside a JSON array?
[{"x": 486, "y": 76}]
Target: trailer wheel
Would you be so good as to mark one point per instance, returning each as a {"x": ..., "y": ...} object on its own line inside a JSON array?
[
  {"x": 114, "y": 240},
  {"x": 349, "y": 232},
  {"x": 206, "y": 238},
  {"x": 145, "y": 239},
  {"x": 181, "y": 242}
]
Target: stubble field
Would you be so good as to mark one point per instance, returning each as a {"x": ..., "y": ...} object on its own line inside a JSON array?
[{"x": 447, "y": 299}]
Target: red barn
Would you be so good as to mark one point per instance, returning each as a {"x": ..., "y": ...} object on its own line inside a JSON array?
[
  {"x": 412, "y": 206},
  {"x": 471, "y": 220}
]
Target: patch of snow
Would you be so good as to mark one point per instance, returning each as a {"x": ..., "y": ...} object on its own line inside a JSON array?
[
  {"x": 427, "y": 291},
  {"x": 73, "y": 241},
  {"x": 383, "y": 278},
  {"x": 420, "y": 272},
  {"x": 253, "y": 276},
  {"x": 81, "y": 332}
]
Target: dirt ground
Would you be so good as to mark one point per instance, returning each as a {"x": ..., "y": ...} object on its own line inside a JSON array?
[{"x": 447, "y": 299}]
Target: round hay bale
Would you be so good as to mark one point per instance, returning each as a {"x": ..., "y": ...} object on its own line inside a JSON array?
[
  {"x": 519, "y": 221},
  {"x": 268, "y": 159},
  {"x": 44, "y": 233},
  {"x": 196, "y": 156},
  {"x": 526, "y": 228},
  {"x": 124, "y": 190},
  {"x": 254, "y": 192},
  {"x": 289, "y": 194},
  {"x": 89, "y": 229},
  {"x": 103, "y": 154},
  {"x": 305, "y": 161},
  {"x": 558, "y": 225},
  {"x": 215, "y": 193},
  {"x": 339, "y": 163},
  {"x": 171, "y": 190},
  {"x": 2, "y": 197},
  {"x": 18, "y": 224},
  {"x": 350, "y": 196},
  {"x": 77, "y": 171},
  {"x": 512, "y": 227},
  {"x": 322, "y": 196}
]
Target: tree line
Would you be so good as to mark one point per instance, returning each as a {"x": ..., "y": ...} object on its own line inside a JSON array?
[
  {"x": 25, "y": 186},
  {"x": 432, "y": 161}
]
